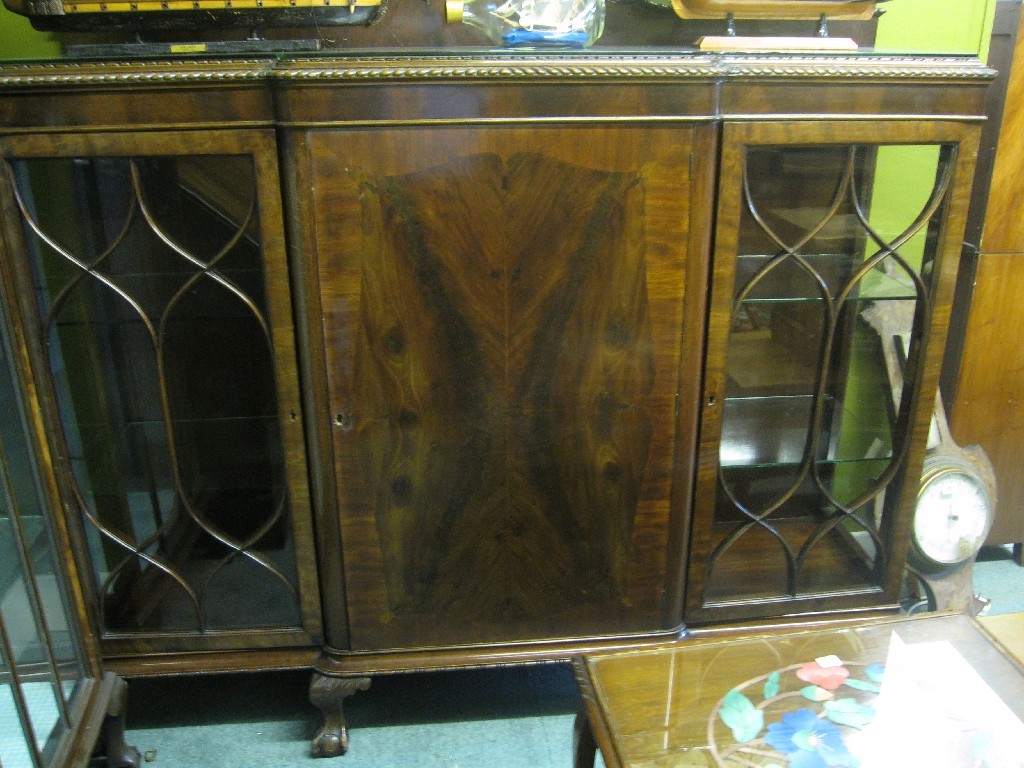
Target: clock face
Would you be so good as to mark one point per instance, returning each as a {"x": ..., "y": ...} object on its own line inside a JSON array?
[{"x": 952, "y": 517}]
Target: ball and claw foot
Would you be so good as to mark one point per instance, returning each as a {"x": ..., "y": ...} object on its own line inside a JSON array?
[
  {"x": 330, "y": 742},
  {"x": 328, "y": 694}
]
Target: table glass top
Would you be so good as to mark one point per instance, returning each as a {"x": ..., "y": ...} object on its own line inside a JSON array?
[{"x": 929, "y": 691}]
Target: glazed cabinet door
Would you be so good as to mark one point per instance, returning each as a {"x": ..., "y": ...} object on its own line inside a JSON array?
[
  {"x": 836, "y": 246},
  {"x": 50, "y": 681},
  {"x": 512, "y": 317},
  {"x": 154, "y": 293}
]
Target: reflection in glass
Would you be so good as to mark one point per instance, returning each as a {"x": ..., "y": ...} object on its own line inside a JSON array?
[
  {"x": 831, "y": 293},
  {"x": 40, "y": 662},
  {"x": 152, "y": 306}
]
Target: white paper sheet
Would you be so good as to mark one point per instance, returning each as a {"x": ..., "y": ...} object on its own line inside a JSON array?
[{"x": 935, "y": 711}]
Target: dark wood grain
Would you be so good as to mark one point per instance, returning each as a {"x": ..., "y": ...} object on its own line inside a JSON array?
[
  {"x": 123, "y": 108},
  {"x": 1003, "y": 231},
  {"x": 989, "y": 410},
  {"x": 503, "y": 355},
  {"x": 317, "y": 103},
  {"x": 852, "y": 98}
]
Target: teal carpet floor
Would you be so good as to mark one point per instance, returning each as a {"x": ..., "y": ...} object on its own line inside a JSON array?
[
  {"x": 509, "y": 718},
  {"x": 467, "y": 719},
  {"x": 998, "y": 578}
]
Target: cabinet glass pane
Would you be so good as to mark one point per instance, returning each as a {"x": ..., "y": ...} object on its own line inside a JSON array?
[
  {"x": 152, "y": 304},
  {"x": 831, "y": 293},
  {"x": 40, "y": 662}
]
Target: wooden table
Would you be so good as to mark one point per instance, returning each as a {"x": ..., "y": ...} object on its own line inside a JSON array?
[
  {"x": 1008, "y": 629},
  {"x": 668, "y": 707}
]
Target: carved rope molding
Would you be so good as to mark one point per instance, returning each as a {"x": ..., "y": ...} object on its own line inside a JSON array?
[
  {"x": 595, "y": 67},
  {"x": 861, "y": 67},
  {"x": 518, "y": 67},
  {"x": 123, "y": 73},
  {"x": 697, "y": 66}
]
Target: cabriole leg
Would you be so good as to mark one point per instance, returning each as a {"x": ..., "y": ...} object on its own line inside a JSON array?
[
  {"x": 119, "y": 754},
  {"x": 328, "y": 694}
]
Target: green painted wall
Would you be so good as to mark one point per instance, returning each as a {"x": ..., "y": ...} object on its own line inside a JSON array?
[
  {"x": 19, "y": 41},
  {"x": 904, "y": 175},
  {"x": 936, "y": 26}
]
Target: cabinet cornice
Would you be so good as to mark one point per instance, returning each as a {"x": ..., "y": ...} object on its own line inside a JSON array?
[{"x": 491, "y": 66}]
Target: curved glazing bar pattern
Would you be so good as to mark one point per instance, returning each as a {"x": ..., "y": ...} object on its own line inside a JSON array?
[
  {"x": 152, "y": 305},
  {"x": 816, "y": 264}
]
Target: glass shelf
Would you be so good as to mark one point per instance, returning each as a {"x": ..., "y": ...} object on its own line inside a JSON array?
[{"x": 772, "y": 431}]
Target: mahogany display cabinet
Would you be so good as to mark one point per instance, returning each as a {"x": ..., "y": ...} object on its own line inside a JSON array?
[{"x": 380, "y": 363}]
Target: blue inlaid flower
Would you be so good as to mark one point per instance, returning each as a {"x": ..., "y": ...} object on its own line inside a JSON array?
[{"x": 809, "y": 741}]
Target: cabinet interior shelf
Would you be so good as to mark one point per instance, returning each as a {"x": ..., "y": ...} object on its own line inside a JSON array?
[{"x": 747, "y": 441}]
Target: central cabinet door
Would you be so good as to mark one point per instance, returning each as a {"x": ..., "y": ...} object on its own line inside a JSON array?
[{"x": 509, "y": 330}]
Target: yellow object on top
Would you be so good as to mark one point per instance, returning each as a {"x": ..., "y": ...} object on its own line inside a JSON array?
[{"x": 774, "y": 9}]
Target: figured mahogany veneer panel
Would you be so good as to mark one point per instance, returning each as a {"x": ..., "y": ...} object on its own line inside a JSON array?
[{"x": 503, "y": 321}]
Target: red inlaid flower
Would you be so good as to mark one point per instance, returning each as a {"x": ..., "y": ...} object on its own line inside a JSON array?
[{"x": 830, "y": 677}]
